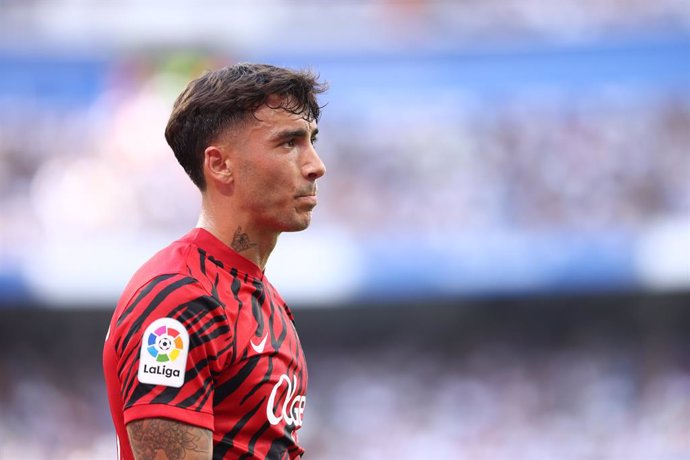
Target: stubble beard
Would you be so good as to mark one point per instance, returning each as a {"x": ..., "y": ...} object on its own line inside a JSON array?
[{"x": 301, "y": 223}]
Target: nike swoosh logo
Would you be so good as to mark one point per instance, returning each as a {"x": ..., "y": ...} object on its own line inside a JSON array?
[{"x": 260, "y": 347}]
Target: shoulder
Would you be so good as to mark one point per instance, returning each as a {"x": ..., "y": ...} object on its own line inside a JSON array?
[
  {"x": 177, "y": 261},
  {"x": 170, "y": 278}
]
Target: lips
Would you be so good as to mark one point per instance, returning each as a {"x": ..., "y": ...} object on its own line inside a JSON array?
[
  {"x": 307, "y": 195},
  {"x": 311, "y": 199}
]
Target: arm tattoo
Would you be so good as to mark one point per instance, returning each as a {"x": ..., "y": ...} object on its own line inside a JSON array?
[
  {"x": 240, "y": 241},
  {"x": 149, "y": 437}
]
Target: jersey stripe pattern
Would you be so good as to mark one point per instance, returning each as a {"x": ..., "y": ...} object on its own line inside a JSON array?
[{"x": 245, "y": 376}]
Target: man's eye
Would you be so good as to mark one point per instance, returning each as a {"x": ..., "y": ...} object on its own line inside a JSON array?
[
  {"x": 291, "y": 143},
  {"x": 314, "y": 140}
]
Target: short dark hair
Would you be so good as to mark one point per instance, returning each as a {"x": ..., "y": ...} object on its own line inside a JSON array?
[{"x": 224, "y": 97}]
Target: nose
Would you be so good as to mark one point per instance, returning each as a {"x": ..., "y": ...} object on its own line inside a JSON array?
[{"x": 313, "y": 167}]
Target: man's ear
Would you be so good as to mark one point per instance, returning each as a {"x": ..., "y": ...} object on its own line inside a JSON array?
[{"x": 217, "y": 164}]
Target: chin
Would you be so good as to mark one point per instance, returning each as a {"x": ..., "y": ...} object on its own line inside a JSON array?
[
  {"x": 298, "y": 224},
  {"x": 297, "y": 227}
]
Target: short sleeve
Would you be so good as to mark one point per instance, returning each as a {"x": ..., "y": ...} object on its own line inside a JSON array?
[{"x": 173, "y": 340}]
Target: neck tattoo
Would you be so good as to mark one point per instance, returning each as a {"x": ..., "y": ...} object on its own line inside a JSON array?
[{"x": 241, "y": 241}]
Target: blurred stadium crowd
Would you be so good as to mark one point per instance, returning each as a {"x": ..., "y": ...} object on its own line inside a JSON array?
[
  {"x": 599, "y": 161},
  {"x": 607, "y": 162},
  {"x": 337, "y": 25},
  {"x": 592, "y": 392}
]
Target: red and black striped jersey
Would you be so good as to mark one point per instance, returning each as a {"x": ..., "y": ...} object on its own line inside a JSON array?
[{"x": 200, "y": 336}]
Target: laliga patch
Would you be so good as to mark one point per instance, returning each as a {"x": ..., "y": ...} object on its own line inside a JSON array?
[{"x": 163, "y": 355}]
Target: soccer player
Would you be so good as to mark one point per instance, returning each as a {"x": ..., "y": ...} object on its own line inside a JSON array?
[{"x": 202, "y": 360}]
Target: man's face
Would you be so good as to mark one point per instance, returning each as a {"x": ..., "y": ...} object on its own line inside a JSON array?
[{"x": 275, "y": 170}]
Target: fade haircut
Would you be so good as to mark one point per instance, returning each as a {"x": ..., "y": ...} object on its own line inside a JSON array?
[{"x": 228, "y": 97}]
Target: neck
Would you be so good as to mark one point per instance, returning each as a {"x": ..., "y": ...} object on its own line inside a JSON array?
[{"x": 241, "y": 236}]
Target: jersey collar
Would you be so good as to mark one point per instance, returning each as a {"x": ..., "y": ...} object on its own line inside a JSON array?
[{"x": 221, "y": 251}]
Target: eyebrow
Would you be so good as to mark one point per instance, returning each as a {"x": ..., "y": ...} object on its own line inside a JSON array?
[{"x": 299, "y": 132}]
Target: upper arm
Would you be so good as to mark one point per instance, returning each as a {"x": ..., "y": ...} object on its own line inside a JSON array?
[
  {"x": 162, "y": 439},
  {"x": 180, "y": 386}
]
